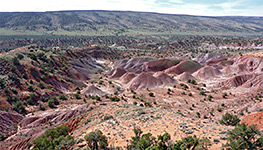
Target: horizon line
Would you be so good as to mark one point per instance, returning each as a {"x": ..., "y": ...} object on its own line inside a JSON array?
[{"x": 128, "y": 11}]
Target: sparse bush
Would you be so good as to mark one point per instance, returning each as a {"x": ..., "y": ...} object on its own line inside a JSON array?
[
  {"x": 224, "y": 95},
  {"x": 13, "y": 68},
  {"x": 13, "y": 77},
  {"x": 54, "y": 139},
  {"x": 13, "y": 90},
  {"x": 151, "y": 94},
  {"x": 63, "y": 97},
  {"x": 147, "y": 104},
  {"x": 41, "y": 85},
  {"x": 30, "y": 88},
  {"x": 202, "y": 93},
  {"x": 243, "y": 137},
  {"x": 198, "y": 114},
  {"x": 20, "y": 56},
  {"x": 31, "y": 81},
  {"x": 185, "y": 87},
  {"x": 51, "y": 103},
  {"x": 15, "y": 61},
  {"x": 108, "y": 117},
  {"x": 209, "y": 97},
  {"x": 43, "y": 77},
  {"x": 192, "y": 81},
  {"x": 77, "y": 96},
  {"x": 98, "y": 98},
  {"x": 2, "y": 137},
  {"x": 114, "y": 99},
  {"x": 219, "y": 109},
  {"x": 41, "y": 107},
  {"x": 18, "y": 107},
  {"x": 2, "y": 83},
  {"x": 229, "y": 120},
  {"x": 96, "y": 140}
]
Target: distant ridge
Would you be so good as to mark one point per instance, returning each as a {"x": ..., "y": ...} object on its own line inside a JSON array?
[{"x": 104, "y": 23}]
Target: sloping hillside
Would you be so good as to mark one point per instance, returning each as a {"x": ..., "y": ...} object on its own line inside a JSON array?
[{"x": 124, "y": 23}]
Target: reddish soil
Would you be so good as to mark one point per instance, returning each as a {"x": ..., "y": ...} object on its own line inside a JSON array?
[{"x": 254, "y": 118}]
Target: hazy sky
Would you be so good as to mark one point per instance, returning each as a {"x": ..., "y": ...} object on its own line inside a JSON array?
[{"x": 192, "y": 7}]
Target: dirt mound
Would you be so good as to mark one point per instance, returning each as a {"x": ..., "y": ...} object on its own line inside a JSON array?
[
  {"x": 8, "y": 122},
  {"x": 184, "y": 66},
  {"x": 117, "y": 72},
  {"x": 92, "y": 90},
  {"x": 221, "y": 61},
  {"x": 166, "y": 79},
  {"x": 159, "y": 64},
  {"x": 235, "y": 81},
  {"x": 255, "y": 118},
  {"x": 85, "y": 66},
  {"x": 255, "y": 83},
  {"x": 207, "y": 72},
  {"x": 245, "y": 65},
  {"x": 185, "y": 76},
  {"x": 127, "y": 77},
  {"x": 144, "y": 81},
  {"x": 203, "y": 58},
  {"x": 132, "y": 65}
]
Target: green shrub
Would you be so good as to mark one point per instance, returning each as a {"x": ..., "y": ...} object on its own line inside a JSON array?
[
  {"x": 96, "y": 140},
  {"x": 41, "y": 107},
  {"x": 243, "y": 137},
  {"x": 219, "y": 109},
  {"x": 13, "y": 90},
  {"x": 209, "y": 97},
  {"x": 151, "y": 94},
  {"x": 18, "y": 107},
  {"x": 13, "y": 68},
  {"x": 2, "y": 83},
  {"x": 147, "y": 104},
  {"x": 13, "y": 77},
  {"x": 20, "y": 56},
  {"x": 108, "y": 117},
  {"x": 54, "y": 139},
  {"x": 77, "y": 96},
  {"x": 52, "y": 102},
  {"x": 41, "y": 85},
  {"x": 115, "y": 99},
  {"x": 198, "y": 114},
  {"x": 63, "y": 97},
  {"x": 43, "y": 77},
  {"x": 98, "y": 98},
  {"x": 229, "y": 120},
  {"x": 202, "y": 93},
  {"x": 16, "y": 61},
  {"x": 224, "y": 95},
  {"x": 2, "y": 137},
  {"x": 30, "y": 88}
]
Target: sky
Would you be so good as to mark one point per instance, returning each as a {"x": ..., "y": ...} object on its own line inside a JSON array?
[{"x": 190, "y": 7}]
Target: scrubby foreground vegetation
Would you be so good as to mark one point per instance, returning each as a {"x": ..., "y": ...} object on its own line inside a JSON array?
[{"x": 241, "y": 137}]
